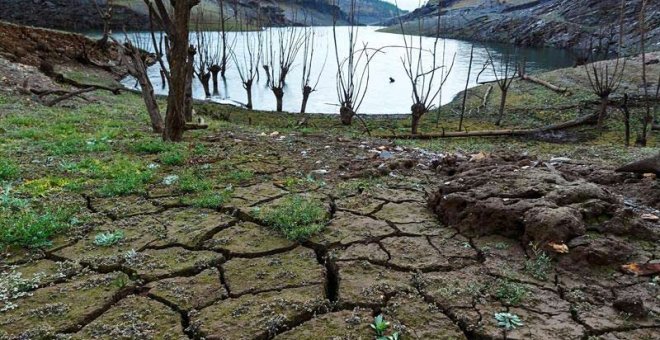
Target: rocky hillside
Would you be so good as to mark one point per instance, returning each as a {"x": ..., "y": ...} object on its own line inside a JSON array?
[
  {"x": 555, "y": 23},
  {"x": 82, "y": 15}
]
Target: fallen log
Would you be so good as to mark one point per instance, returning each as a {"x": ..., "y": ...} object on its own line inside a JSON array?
[
  {"x": 644, "y": 166},
  {"x": 544, "y": 83},
  {"x": 68, "y": 95},
  {"x": 588, "y": 119}
]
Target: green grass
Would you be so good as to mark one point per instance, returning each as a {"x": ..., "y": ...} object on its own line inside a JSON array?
[
  {"x": 176, "y": 157},
  {"x": 208, "y": 199},
  {"x": 151, "y": 146},
  {"x": 32, "y": 229},
  {"x": 191, "y": 182},
  {"x": 296, "y": 217},
  {"x": 124, "y": 177},
  {"x": 8, "y": 170}
]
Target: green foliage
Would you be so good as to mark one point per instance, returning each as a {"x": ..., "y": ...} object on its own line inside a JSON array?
[
  {"x": 208, "y": 199},
  {"x": 191, "y": 182},
  {"x": 538, "y": 267},
  {"x": 8, "y": 169},
  {"x": 175, "y": 157},
  {"x": 298, "y": 218},
  {"x": 238, "y": 176},
  {"x": 380, "y": 326},
  {"x": 31, "y": 228},
  {"x": 508, "y": 321},
  {"x": 124, "y": 178},
  {"x": 510, "y": 293},
  {"x": 108, "y": 239},
  {"x": 150, "y": 146},
  {"x": 7, "y": 201}
]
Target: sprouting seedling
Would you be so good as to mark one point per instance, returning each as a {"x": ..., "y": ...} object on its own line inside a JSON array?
[
  {"x": 380, "y": 325},
  {"x": 108, "y": 239},
  {"x": 508, "y": 321}
]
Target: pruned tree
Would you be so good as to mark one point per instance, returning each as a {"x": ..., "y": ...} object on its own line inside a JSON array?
[
  {"x": 424, "y": 75},
  {"x": 248, "y": 63},
  {"x": 133, "y": 56},
  {"x": 105, "y": 13},
  {"x": 505, "y": 71},
  {"x": 204, "y": 55},
  {"x": 180, "y": 59},
  {"x": 604, "y": 79},
  {"x": 352, "y": 71},
  {"x": 283, "y": 46},
  {"x": 309, "y": 84},
  {"x": 647, "y": 119}
]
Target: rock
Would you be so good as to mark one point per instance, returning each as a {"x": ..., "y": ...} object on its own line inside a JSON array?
[{"x": 632, "y": 305}]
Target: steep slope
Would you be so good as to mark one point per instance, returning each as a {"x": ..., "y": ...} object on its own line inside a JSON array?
[
  {"x": 556, "y": 23},
  {"x": 81, "y": 15}
]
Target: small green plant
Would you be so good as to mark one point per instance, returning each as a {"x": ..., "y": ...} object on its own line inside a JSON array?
[
  {"x": 209, "y": 199},
  {"x": 539, "y": 266},
  {"x": 8, "y": 170},
  {"x": 380, "y": 326},
  {"x": 33, "y": 229},
  {"x": 190, "y": 182},
  {"x": 174, "y": 158},
  {"x": 8, "y": 201},
  {"x": 508, "y": 321},
  {"x": 124, "y": 178},
  {"x": 108, "y": 239},
  {"x": 511, "y": 293},
  {"x": 298, "y": 218},
  {"x": 150, "y": 146}
]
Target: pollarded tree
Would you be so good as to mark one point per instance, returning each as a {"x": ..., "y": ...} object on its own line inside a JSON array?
[
  {"x": 505, "y": 71},
  {"x": 308, "y": 84},
  {"x": 282, "y": 49},
  {"x": 248, "y": 63}
]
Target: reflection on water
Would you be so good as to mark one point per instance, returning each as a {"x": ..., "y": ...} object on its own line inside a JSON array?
[{"x": 383, "y": 96}]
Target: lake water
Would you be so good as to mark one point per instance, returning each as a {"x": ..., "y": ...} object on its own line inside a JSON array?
[{"x": 383, "y": 96}]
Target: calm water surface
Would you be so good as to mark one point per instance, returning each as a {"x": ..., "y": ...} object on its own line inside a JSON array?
[{"x": 383, "y": 96}]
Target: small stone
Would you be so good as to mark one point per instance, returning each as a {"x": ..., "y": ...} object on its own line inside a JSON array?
[
  {"x": 650, "y": 217},
  {"x": 385, "y": 155},
  {"x": 170, "y": 179}
]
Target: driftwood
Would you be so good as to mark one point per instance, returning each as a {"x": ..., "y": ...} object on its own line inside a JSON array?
[
  {"x": 588, "y": 119},
  {"x": 644, "y": 166},
  {"x": 68, "y": 95},
  {"x": 544, "y": 83}
]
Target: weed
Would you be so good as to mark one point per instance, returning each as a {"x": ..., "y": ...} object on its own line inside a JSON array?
[
  {"x": 508, "y": 321},
  {"x": 109, "y": 238},
  {"x": 510, "y": 293},
  {"x": 29, "y": 228},
  {"x": 124, "y": 178},
  {"x": 209, "y": 199},
  {"x": 237, "y": 176},
  {"x": 190, "y": 182},
  {"x": 296, "y": 217},
  {"x": 380, "y": 326},
  {"x": 7, "y": 201},
  {"x": 13, "y": 286},
  {"x": 150, "y": 146},
  {"x": 8, "y": 170},
  {"x": 174, "y": 158},
  {"x": 538, "y": 267}
]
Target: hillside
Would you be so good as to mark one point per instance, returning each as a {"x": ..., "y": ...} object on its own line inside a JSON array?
[
  {"x": 82, "y": 15},
  {"x": 554, "y": 23}
]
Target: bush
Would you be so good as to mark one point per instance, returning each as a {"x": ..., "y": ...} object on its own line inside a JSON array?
[{"x": 296, "y": 217}]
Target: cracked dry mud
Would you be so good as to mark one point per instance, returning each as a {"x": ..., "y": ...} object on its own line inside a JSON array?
[{"x": 431, "y": 252}]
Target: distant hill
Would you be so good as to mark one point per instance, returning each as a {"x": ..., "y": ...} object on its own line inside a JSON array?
[
  {"x": 81, "y": 15},
  {"x": 556, "y": 23}
]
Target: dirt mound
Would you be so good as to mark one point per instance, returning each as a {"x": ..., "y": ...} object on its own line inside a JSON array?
[{"x": 535, "y": 203}]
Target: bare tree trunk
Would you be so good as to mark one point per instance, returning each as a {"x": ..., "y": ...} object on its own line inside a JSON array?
[
  {"x": 205, "y": 79},
  {"x": 626, "y": 117},
  {"x": 215, "y": 69},
  {"x": 180, "y": 66},
  {"x": 279, "y": 95},
  {"x": 648, "y": 119},
  {"x": 307, "y": 90},
  {"x": 467, "y": 83},
  {"x": 346, "y": 114},
  {"x": 418, "y": 110},
  {"x": 189, "y": 78},
  {"x": 223, "y": 61},
  {"x": 248, "y": 88},
  {"x": 500, "y": 114},
  {"x": 163, "y": 79},
  {"x": 604, "y": 101}
]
